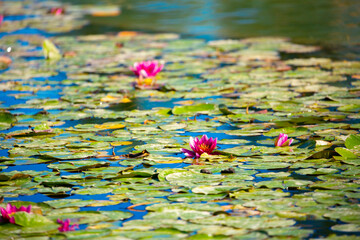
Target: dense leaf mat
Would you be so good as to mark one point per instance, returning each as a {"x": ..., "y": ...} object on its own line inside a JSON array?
[{"x": 74, "y": 133}]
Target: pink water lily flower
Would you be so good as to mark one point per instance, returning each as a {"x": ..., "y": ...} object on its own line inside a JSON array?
[
  {"x": 282, "y": 140},
  {"x": 6, "y": 213},
  {"x": 57, "y": 11},
  {"x": 1, "y": 18},
  {"x": 146, "y": 70},
  {"x": 65, "y": 225},
  {"x": 200, "y": 146}
]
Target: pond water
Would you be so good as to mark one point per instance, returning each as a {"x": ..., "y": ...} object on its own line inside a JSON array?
[
  {"x": 333, "y": 24},
  {"x": 81, "y": 141}
]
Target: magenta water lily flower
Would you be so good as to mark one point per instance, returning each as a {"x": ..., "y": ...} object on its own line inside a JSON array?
[
  {"x": 1, "y": 18},
  {"x": 282, "y": 140},
  {"x": 6, "y": 213},
  {"x": 200, "y": 146},
  {"x": 146, "y": 70},
  {"x": 57, "y": 11},
  {"x": 65, "y": 225}
]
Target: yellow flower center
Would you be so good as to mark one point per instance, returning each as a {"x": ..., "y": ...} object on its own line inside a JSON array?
[
  {"x": 204, "y": 147},
  {"x": 148, "y": 81}
]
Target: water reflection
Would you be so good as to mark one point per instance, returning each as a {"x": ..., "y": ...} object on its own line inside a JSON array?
[{"x": 306, "y": 21}]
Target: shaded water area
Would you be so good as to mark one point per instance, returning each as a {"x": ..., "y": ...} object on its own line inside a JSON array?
[
  {"x": 333, "y": 24},
  {"x": 81, "y": 141}
]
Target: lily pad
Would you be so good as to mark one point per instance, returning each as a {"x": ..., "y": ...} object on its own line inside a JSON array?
[{"x": 189, "y": 110}]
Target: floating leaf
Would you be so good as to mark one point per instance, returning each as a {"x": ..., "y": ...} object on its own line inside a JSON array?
[
  {"x": 345, "y": 153},
  {"x": 6, "y": 119},
  {"x": 188, "y": 110},
  {"x": 346, "y": 228},
  {"x": 352, "y": 141},
  {"x": 109, "y": 125},
  {"x": 28, "y": 219},
  {"x": 88, "y": 233},
  {"x": 50, "y": 50}
]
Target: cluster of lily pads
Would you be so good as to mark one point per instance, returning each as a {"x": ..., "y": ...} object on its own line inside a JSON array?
[{"x": 90, "y": 140}]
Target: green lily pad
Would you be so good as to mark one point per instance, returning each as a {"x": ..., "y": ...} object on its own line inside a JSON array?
[
  {"x": 66, "y": 155},
  {"x": 352, "y": 141},
  {"x": 189, "y": 110},
  {"x": 346, "y": 228},
  {"x": 6, "y": 119},
  {"x": 88, "y": 233},
  {"x": 347, "y": 154},
  {"x": 28, "y": 219}
]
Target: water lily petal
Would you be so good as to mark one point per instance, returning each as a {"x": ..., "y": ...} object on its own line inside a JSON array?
[
  {"x": 23, "y": 209},
  {"x": 213, "y": 146},
  {"x": 276, "y": 142},
  {"x": 188, "y": 153},
  {"x": 65, "y": 225},
  {"x": 204, "y": 139},
  {"x": 283, "y": 140},
  {"x": 192, "y": 143},
  {"x": 144, "y": 73}
]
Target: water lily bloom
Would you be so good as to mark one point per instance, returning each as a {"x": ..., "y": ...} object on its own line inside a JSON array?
[
  {"x": 1, "y": 18},
  {"x": 65, "y": 225},
  {"x": 282, "y": 140},
  {"x": 146, "y": 70},
  {"x": 6, "y": 213},
  {"x": 57, "y": 11},
  {"x": 200, "y": 146}
]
